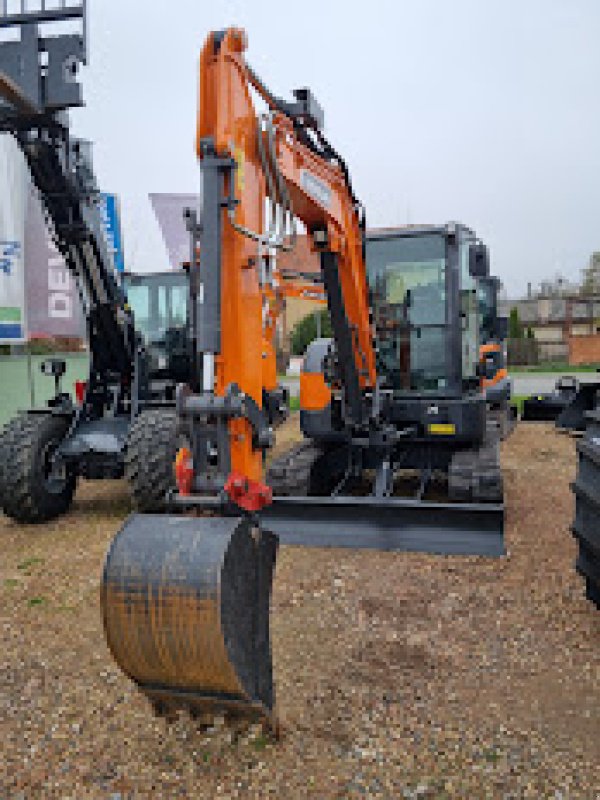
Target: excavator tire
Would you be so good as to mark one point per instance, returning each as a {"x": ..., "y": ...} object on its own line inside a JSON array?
[
  {"x": 185, "y": 602},
  {"x": 4, "y": 437},
  {"x": 150, "y": 459},
  {"x": 29, "y": 493}
]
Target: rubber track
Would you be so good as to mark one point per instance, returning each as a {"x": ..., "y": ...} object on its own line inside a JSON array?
[
  {"x": 18, "y": 452},
  {"x": 150, "y": 459},
  {"x": 475, "y": 476},
  {"x": 289, "y": 475}
]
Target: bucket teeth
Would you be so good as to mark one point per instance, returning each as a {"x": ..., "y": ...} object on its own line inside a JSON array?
[{"x": 185, "y": 602}]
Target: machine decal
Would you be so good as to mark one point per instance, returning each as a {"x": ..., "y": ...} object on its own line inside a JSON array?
[
  {"x": 240, "y": 175},
  {"x": 442, "y": 429},
  {"x": 9, "y": 251},
  {"x": 318, "y": 190}
]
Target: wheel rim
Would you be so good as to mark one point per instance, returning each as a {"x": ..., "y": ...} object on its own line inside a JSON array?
[{"x": 54, "y": 477}]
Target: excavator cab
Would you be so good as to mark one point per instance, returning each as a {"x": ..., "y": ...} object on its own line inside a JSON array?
[
  {"x": 421, "y": 287},
  {"x": 424, "y": 283},
  {"x": 160, "y": 302}
]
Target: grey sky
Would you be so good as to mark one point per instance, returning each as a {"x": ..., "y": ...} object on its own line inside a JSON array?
[{"x": 483, "y": 111}]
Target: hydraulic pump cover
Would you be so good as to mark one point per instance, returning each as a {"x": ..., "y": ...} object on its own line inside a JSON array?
[{"x": 185, "y": 602}]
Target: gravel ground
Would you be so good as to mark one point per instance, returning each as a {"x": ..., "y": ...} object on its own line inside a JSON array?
[{"x": 398, "y": 676}]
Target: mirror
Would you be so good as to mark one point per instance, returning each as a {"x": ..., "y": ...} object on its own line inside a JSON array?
[{"x": 479, "y": 261}]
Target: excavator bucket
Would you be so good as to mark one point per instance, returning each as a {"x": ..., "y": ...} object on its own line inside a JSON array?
[{"x": 185, "y": 602}]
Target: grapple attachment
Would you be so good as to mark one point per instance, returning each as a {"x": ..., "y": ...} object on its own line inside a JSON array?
[{"x": 185, "y": 602}]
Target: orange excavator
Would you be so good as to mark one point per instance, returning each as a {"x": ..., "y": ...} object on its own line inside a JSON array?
[{"x": 185, "y": 596}]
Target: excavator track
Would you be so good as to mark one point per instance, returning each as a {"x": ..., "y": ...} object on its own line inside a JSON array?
[
  {"x": 290, "y": 474},
  {"x": 475, "y": 475}
]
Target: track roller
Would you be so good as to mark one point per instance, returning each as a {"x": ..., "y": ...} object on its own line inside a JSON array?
[{"x": 185, "y": 602}]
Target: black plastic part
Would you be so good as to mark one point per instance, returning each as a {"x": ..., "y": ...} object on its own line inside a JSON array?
[
  {"x": 343, "y": 337},
  {"x": 586, "y": 526},
  {"x": 479, "y": 260},
  {"x": 54, "y": 366},
  {"x": 573, "y": 415}
]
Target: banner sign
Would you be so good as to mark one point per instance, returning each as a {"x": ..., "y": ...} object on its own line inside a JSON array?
[
  {"x": 169, "y": 209},
  {"x": 53, "y": 303},
  {"x": 111, "y": 222},
  {"x": 14, "y": 179},
  {"x": 36, "y": 287}
]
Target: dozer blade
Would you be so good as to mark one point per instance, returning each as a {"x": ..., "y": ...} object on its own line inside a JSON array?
[
  {"x": 389, "y": 524},
  {"x": 185, "y": 602}
]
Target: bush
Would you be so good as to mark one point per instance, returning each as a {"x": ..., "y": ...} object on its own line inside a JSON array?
[
  {"x": 305, "y": 331},
  {"x": 515, "y": 328}
]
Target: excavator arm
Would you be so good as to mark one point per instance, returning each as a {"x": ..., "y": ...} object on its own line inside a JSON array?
[{"x": 280, "y": 157}]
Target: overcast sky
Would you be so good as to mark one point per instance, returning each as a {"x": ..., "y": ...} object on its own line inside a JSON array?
[{"x": 482, "y": 111}]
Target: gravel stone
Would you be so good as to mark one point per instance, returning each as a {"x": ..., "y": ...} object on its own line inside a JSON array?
[{"x": 397, "y": 675}]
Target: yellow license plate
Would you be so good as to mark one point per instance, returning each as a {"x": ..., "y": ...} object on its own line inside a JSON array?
[{"x": 442, "y": 430}]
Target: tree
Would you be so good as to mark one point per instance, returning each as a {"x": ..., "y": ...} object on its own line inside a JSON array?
[
  {"x": 591, "y": 275},
  {"x": 515, "y": 327},
  {"x": 305, "y": 331}
]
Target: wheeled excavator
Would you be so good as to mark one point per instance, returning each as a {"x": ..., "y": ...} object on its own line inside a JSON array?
[
  {"x": 132, "y": 376},
  {"x": 122, "y": 420},
  {"x": 393, "y": 411}
]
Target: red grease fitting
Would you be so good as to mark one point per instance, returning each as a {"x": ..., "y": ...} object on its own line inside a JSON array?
[
  {"x": 184, "y": 472},
  {"x": 249, "y": 495},
  {"x": 80, "y": 390}
]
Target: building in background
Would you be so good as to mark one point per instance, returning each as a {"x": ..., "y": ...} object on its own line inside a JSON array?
[{"x": 564, "y": 322}]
